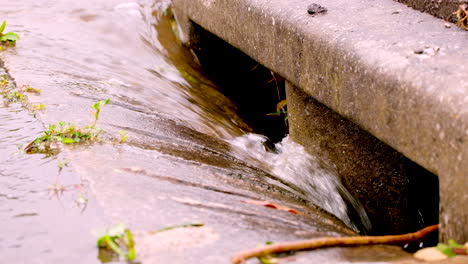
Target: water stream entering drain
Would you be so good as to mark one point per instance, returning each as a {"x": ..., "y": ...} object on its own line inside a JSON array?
[{"x": 302, "y": 174}]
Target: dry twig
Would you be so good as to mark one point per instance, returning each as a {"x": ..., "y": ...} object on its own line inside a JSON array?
[{"x": 333, "y": 242}]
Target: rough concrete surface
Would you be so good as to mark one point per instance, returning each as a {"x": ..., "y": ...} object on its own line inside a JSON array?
[{"x": 396, "y": 72}]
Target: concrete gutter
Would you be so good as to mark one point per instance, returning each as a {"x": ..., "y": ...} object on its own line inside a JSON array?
[{"x": 396, "y": 72}]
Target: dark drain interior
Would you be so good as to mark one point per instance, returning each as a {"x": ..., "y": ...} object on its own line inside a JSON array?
[{"x": 254, "y": 88}]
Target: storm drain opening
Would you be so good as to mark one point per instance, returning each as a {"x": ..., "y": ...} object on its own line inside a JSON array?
[
  {"x": 258, "y": 92},
  {"x": 260, "y": 95}
]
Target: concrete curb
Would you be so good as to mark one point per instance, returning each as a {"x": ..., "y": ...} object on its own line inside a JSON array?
[{"x": 396, "y": 72}]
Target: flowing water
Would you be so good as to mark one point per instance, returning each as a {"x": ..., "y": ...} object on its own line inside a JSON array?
[
  {"x": 33, "y": 216},
  {"x": 79, "y": 52}
]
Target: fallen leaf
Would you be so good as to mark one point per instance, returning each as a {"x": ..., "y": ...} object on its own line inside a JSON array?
[{"x": 272, "y": 205}]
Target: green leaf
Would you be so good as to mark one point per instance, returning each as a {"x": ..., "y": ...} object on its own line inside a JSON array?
[
  {"x": 2, "y": 27},
  {"x": 130, "y": 245},
  {"x": 66, "y": 140},
  {"x": 97, "y": 105},
  {"x": 10, "y": 36},
  {"x": 101, "y": 241},
  {"x": 109, "y": 242},
  {"x": 266, "y": 260},
  {"x": 453, "y": 244},
  {"x": 446, "y": 250},
  {"x": 274, "y": 114}
]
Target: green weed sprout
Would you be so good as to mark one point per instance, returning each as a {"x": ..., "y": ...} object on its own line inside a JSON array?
[
  {"x": 11, "y": 94},
  {"x": 119, "y": 240},
  {"x": 452, "y": 248},
  {"x": 29, "y": 89},
  {"x": 9, "y": 37},
  {"x": 123, "y": 136},
  {"x": 37, "y": 107},
  {"x": 281, "y": 110},
  {"x": 97, "y": 110},
  {"x": 66, "y": 133},
  {"x": 16, "y": 96}
]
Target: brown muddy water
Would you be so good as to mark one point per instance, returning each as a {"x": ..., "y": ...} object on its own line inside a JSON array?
[{"x": 189, "y": 156}]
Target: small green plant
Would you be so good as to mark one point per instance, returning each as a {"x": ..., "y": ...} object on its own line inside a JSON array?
[
  {"x": 11, "y": 94},
  {"x": 29, "y": 89},
  {"x": 97, "y": 110},
  {"x": 66, "y": 133},
  {"x": 281, "y": 109},
  {"x": 123, "y": 136},
  {"x": 16, "y": 96},
  {"x": 9, "y": 37},
  {"x": 4, "y": 82},
  {"x": 37, "y": 107},
  {"x": 119, "y": 240},
  {"x": 452, "y": 248}
]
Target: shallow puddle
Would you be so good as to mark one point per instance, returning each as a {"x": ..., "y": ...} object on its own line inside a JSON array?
[{"x": 38, "y": 218}]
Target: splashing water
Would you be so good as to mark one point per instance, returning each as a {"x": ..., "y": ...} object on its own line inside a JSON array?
[{"x": 301, "y": 174}]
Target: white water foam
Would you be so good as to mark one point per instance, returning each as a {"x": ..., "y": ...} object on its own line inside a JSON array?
[{"x": 292, "y": 164}]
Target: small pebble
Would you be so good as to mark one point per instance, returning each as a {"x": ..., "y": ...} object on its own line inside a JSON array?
[
  {"x": 314, "y": 9},
  {"x": 430, "y": 254},
  {"x": 429, "y": 51}
]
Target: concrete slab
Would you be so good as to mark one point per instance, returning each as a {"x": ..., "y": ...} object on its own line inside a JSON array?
[{"x": 396, "y": 72}]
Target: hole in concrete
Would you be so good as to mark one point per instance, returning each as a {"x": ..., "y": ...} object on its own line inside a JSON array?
[{"x": 254, "y": 88}]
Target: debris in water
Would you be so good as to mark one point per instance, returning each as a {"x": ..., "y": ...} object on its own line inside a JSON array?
[
  {"x": 178, "y": 226},
  {"x": 272, "y": 205},
  {"x": 119, "y": 240}
]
